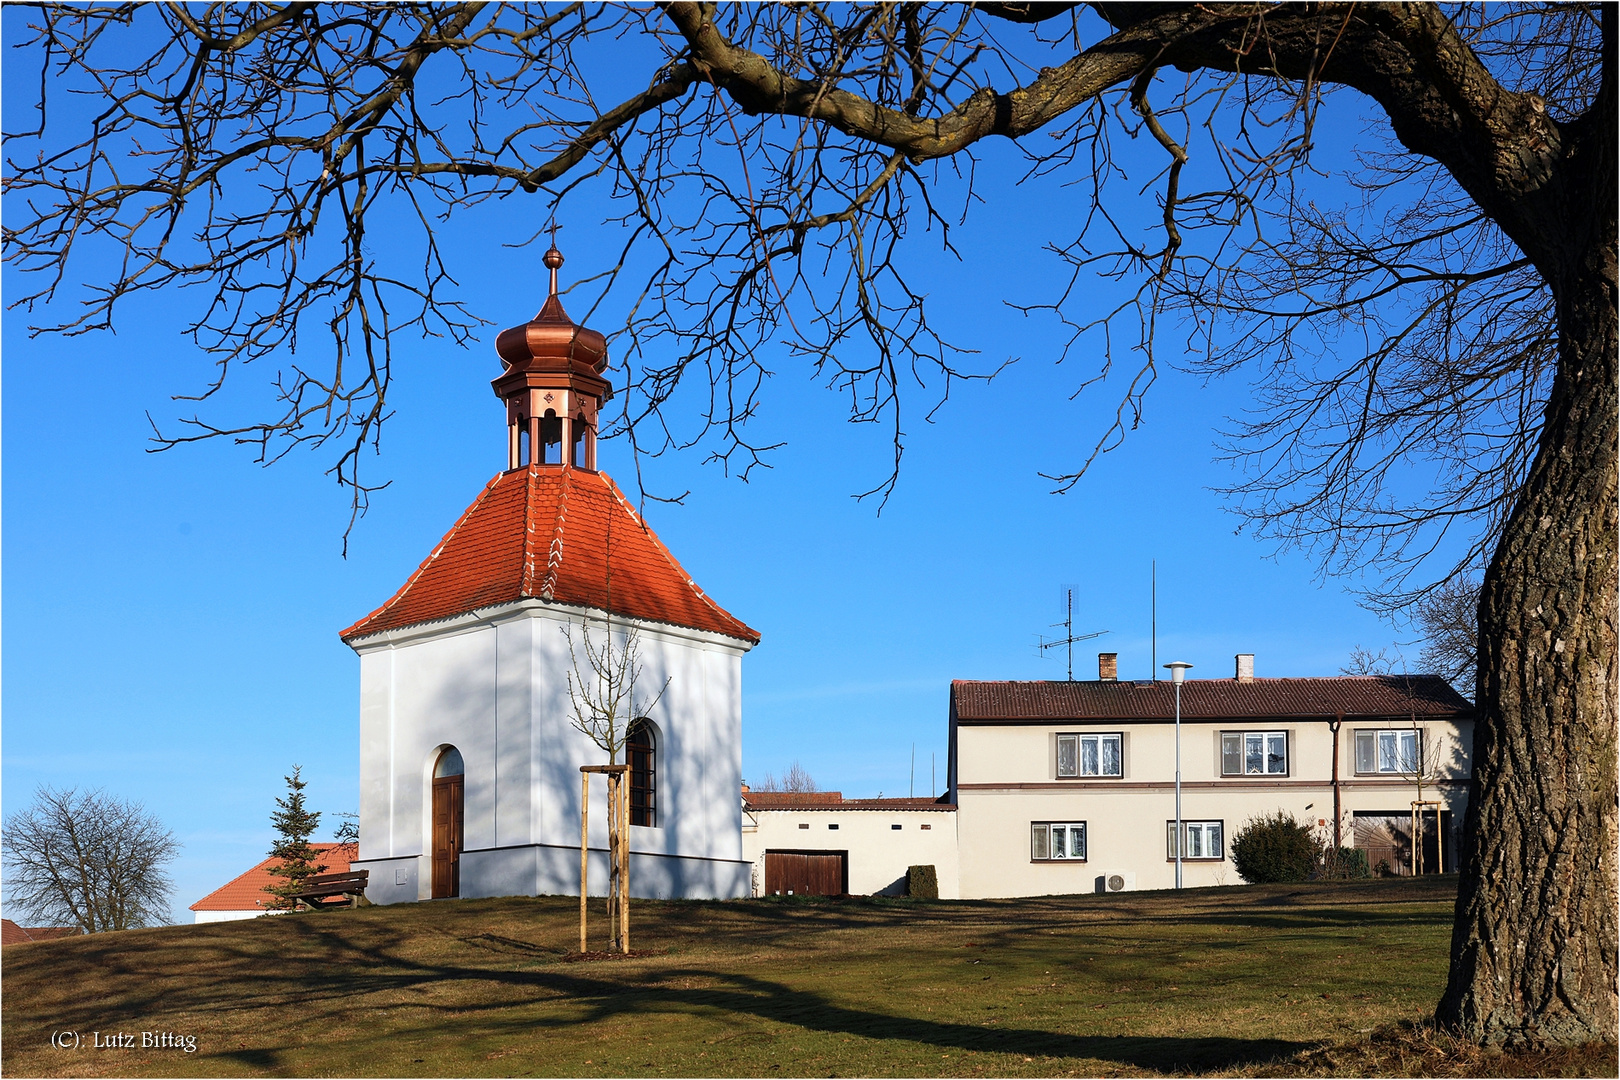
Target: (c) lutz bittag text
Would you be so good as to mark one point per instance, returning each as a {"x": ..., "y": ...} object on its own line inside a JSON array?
[{"x": 126, "y": 1040}]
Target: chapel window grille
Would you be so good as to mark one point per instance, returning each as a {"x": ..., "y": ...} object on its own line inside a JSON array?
[{"x": 641, "y": 754}]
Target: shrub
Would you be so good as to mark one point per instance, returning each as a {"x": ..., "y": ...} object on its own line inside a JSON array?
[
  {"x": 922, "y": 883},
  {"x": 1274, "y": 847},
  {"x": 1345, "y": 863}
]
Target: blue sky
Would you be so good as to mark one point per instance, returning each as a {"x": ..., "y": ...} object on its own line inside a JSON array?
[{"x": 170, "y": 620}]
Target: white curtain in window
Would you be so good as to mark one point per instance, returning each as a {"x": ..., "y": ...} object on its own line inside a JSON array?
[{"x": 1111, "y": 756}]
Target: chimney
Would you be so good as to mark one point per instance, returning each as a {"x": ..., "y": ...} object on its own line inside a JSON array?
[
  {"x": 1108, "y": 666},
  {"x": 1245, "y": 667}
]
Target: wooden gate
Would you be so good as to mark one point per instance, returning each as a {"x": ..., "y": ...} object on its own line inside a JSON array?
[
  {"x": 806, "y": 873},
  {"x": 447, "y": 836},
  {"x": 1386, "y": 837}
]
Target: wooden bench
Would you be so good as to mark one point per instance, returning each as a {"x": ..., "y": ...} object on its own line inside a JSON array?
[{"x": 333, "y": 891}]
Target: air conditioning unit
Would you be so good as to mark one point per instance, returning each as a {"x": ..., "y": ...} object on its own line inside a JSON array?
[{"x": 1112, "y": 881}]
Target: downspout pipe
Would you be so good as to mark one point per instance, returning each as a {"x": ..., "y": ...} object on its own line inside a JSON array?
[{"x": 1338, "y": 823}]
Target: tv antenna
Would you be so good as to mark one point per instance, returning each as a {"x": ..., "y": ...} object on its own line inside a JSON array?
[{"x": 1069, "y": 636}]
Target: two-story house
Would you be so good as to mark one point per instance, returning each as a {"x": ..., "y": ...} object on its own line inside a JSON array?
[{"x": 1065, "y": 787}]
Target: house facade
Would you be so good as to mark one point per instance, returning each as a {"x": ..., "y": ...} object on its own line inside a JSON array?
[
  {"x": 819, "y": 842},
  {"x": 1066, "y": 787},
  {"x": 470, "y": 758}
]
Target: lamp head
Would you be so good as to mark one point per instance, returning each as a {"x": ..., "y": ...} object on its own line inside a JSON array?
[{"x": 1178, "y": 670}]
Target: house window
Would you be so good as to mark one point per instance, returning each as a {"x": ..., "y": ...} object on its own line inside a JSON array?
[
  {"x": 1091, "y": 755},
  {"x": 1200, "y": 840},
  {"x": 639, "y": 751},
  {"x": 925, "y": 828},
  {"x": 1254, "y": 753},
  {"x": 830, "y": 825},
  {"x": 804, "y": 824},
  {"x": 1388, "y": 752},
  {"x": 896, "y": 828},
  {"x": 1050, "y": 841}
]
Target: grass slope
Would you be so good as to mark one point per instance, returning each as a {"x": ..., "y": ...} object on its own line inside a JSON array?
[{"x": 1248, "y": 980}]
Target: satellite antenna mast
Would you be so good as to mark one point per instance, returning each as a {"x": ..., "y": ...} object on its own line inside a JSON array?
[{"x": 1069, "y": 636}]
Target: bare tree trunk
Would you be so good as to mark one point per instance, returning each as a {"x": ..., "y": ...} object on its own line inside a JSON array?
[
  {"x": 1533, "y": 955},
  {"x": 613, "y": 859},
  {"x": 624, "y": 863}
]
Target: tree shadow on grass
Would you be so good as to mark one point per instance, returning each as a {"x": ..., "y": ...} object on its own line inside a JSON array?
[
  {"x": 769, "y": 1000},
  {"x": 514, "y": 1003},
  {"x": 329, "y": 979},
  {"x": 490, "y": 971},
  {"x": 267, "y": 1060}
]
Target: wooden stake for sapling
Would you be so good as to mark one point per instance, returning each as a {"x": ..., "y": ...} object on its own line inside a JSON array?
[
  {"x": 624, "y": 861},
  {"x": 584, "y": 839}
]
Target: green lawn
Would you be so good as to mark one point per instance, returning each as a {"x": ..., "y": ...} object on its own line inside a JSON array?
[{"x": 1244, "y": 980}]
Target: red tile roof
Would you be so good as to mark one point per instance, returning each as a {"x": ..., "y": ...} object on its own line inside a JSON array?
[
  {"x": 832, "y": 800},
  {"x": 246, "y": 893},
  {"x": 543, "y": 532},
  {"x": 12, "y": 934},
  {"x": 793, "y": 798},
  {"x": 1208, "y": 699}
]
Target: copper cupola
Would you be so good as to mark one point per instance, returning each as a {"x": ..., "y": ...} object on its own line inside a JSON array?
[{"x": 553, "y": 385}]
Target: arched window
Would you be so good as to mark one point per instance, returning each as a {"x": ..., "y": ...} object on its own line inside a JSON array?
[
  {"x": 449, "y": 764},
  {"x": 578, "y": 456},
  {"x": 448, "y": 829},
  {"x": 550, "y": 435},
  {"x": 640, "y": 749}
]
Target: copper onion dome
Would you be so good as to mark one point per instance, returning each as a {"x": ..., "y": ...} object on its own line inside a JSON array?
[{"x": 551, "y": 341}]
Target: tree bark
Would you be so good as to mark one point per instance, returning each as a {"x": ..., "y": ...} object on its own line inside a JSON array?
[{"x": 1533, "y": 953}]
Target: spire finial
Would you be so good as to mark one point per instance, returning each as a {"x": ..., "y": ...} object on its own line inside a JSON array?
[{"x": 553, "y": 258}]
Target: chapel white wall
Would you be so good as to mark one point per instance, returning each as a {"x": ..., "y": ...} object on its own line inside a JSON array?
[{"x": 497, "y": 690}]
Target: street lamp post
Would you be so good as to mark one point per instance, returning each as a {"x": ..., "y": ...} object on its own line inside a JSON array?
[{"x": 1178, "y": 672}]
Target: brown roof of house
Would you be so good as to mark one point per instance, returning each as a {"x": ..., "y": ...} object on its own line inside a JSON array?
[
  {"x": 246, "y": 892},
  {"x": 793, "y": 798},
  {"x": 832, "y": 800},
  {"x": 12, "y": 934},
  {"x": 1208, "y": 699},
  {"x": 544, "y": 532}
]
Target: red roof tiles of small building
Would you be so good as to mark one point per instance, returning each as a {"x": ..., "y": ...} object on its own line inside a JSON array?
[
  {"x": 833, "y": 800},
  {"x": 1208, "y": 699},
  {"x": 246, "y": 893},
  {"x": 12, "y": 934},
  {"x": 543, "y": 532}
]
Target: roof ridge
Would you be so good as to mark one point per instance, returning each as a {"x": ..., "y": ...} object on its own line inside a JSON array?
[
  {"x": 438, "y": 548},
  {"x": 554, "y": 551}
]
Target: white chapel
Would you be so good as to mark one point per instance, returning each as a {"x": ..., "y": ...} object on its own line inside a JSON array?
[{"x": 469, "y": 763}]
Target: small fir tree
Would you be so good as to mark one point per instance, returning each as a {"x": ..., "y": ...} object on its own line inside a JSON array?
[{"x": 294, "y": 826}]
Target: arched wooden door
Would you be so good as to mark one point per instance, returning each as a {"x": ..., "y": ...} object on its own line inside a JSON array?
[{"x": 448, "y": 802}]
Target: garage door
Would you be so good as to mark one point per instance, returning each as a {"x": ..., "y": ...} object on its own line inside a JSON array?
[{"x": 806, "y": 873}]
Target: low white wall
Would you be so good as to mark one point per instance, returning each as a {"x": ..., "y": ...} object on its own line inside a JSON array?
[
  {"x": 226, "y": 916},
  {"x": 878, "y": 852}
]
